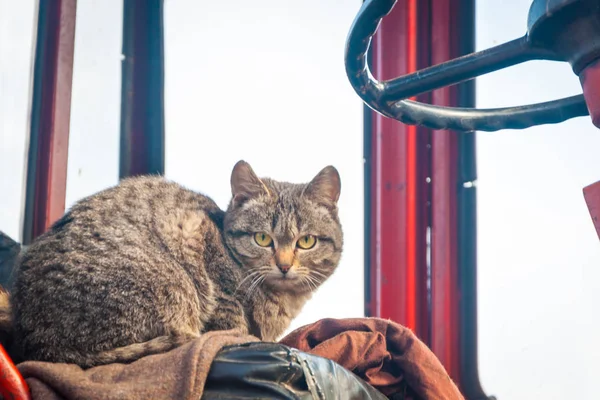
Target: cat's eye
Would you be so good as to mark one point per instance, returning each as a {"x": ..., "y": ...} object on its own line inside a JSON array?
[
  {"x": 306, "y": 242},
  {"x": 262, "y": 239}
]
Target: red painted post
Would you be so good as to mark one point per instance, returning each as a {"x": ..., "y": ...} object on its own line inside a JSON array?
[
  {"x": 444, "y": 258},
  {"x": 50, "y": 117},
  {"x": 398, "y": 270},
  {"x": 402, "y": 206}
]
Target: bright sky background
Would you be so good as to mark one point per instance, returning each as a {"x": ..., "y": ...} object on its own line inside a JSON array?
[{"x": 265, "y": 81}]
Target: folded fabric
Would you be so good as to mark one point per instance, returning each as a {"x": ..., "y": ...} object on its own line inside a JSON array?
[
  {"x": 386, "y": 355},
  {"x": 178, "y": 374}
]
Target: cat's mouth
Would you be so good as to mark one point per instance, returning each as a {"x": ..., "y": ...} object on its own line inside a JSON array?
[
  {"x": 281, "y": 277},
  {"x": 282, "y": 281},
  {"x": 294, "y": 283}
]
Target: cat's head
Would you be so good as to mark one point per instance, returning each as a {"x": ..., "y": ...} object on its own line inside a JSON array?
[{"x": 286, "y": 236}]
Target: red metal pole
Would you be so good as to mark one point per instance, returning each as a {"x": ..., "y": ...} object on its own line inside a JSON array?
[
  {"x": 398, "y": 289},
  {"x": 444, "y": 277},
  {"x": 402, "y": 206},
  {"x": 50, "y": 117}
]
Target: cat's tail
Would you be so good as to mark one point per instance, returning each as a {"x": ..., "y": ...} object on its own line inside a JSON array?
[{"x": 133, "y": 352}]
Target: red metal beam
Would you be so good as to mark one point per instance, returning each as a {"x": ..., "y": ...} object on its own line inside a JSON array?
[
  {"x": 444, "y": 260},
  {"x": 50, "y": 117},
  {"x": 592, "y": 198},
  {"x": 398, "y": 270}
]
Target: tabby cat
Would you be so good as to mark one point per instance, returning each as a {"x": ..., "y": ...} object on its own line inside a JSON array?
[{"x": 148, "y": 265}]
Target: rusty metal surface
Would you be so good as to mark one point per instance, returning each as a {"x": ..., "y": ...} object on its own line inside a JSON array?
[
  {"x": 50, "y": 117},
  {"x": 590, "y": 81},
  {"x": 592, "y": 198}
]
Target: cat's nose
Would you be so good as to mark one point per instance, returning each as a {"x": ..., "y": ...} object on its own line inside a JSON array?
[{"x": 284, "y": 268}]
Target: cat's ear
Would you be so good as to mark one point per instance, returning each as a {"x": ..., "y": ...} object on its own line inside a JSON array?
[
  {"x": 326, "y": 186},
  {"x": 245, "y": 184}
]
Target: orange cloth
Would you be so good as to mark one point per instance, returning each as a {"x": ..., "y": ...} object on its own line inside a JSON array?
[{"x": 384, "y": 354}]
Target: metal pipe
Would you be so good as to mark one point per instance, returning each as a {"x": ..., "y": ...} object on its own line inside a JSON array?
[
  {"x": 142, "y": 92},
  {"x": 46, "y": 176}
]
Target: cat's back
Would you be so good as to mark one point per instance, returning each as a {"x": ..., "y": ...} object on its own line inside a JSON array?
[
  {"x": 138, "y": 200},
  {"x": 134, "y": 205},
  {"x": 138, "y": 212},
  {"x": 129, "y": 218}
]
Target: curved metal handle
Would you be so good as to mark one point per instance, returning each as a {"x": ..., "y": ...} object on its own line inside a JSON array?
[{"x": 387, "y": 97}]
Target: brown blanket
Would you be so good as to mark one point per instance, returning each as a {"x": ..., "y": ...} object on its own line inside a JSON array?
[
  {"x": 178, "y": 374},
  {"x": 386, "y": 355},
  {"x": 381, "y": 352}
]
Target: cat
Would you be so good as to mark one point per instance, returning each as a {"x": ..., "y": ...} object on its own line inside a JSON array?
[{"x": 148, "y": 265}]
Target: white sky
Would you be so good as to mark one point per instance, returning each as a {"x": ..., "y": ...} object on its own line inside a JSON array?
[{"x": 265, "y": 81}]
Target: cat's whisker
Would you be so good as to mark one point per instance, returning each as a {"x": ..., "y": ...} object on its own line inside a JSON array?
[
  {"x": 262, "y": 280},
  {"x": 255, "y": 284},
  {"x": 246, "y": 288},
  {"x": 252, "y": 274},
  {"x": 257, "y": 281},
  {"x": 320, "y": 278},
  {"x": 320, "y": 274},
  {"x": 306, "y": 282},
  {"x": 306, "y": 278},
  {"x": 315, "y": 282},
  {"x": 251, "y": 287}
]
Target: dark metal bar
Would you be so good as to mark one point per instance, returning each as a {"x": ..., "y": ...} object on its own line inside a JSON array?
[
  {"x": 464, "y": 27},
  {"x": 50, "y": 117},
  {"x": 142, "y": 92},
  {"x": 461, "y": 69},
  {"x": 423, "y": 178},
  {"x": 398, "y": 209}
]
